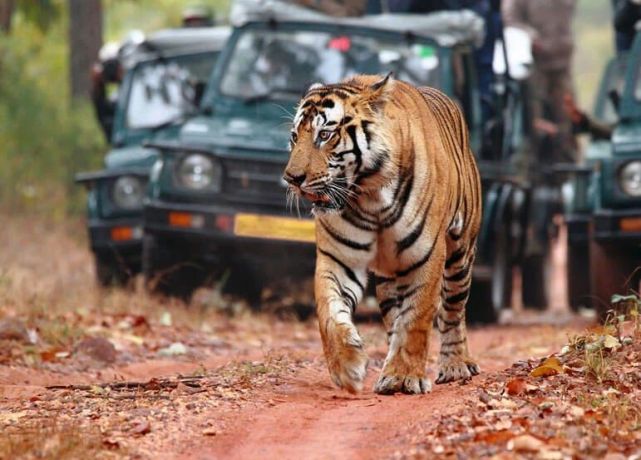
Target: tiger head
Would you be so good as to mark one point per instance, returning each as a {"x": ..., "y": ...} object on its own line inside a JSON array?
[{"x": 338, "y": 147}]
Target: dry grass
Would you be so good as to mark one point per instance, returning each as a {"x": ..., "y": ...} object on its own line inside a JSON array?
[
  {"x": 47, "y": 278},
  {"x": 56, "y": 441}
]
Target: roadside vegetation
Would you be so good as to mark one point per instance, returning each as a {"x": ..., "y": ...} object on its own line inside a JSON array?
[
  {"x": 45, "y": 138},
  {"x": 582, "y": 402}
]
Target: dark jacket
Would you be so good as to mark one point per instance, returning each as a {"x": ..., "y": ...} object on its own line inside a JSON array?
[{"x": 626, "y": 16}]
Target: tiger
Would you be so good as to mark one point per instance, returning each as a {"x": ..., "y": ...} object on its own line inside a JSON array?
[{"x": 395, "y": 194}]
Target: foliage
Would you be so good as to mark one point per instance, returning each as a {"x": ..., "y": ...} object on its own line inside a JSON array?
[
  {"x": 148, "y": 15},
  {"x": 45, "y": 140},
  {"x": 594, "y": 46}
]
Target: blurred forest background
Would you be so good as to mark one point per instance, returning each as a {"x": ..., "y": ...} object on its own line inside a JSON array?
[{"x": 45, "y": 137}]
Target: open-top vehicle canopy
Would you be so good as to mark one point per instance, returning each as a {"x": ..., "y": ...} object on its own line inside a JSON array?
[
  {"x": 139, "y": 47},
  {"x": 447, "y": 28}
]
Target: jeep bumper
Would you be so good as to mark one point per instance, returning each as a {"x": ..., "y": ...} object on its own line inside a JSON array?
[
  {"x": 221, "y": 234},
  {"x": 617, "y": 225},
  {"x": 119, "y": 240}
]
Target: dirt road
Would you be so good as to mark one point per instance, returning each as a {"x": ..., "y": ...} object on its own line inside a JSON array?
[{"x": 197, "y": 383}]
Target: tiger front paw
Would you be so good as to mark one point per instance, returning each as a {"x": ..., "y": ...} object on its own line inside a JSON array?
[
  {"x": 456, "y": 368},
  {"x": 413, "y": 385},
  {"x": 346, "y": 358}
]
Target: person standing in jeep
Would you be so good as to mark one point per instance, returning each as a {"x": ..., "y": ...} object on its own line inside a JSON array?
[
  {"x": 627, "y": 21},
  {"x": 549, "y": 24}
]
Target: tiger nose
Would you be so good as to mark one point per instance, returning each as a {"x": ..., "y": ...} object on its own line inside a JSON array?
[{"x": 295, "y": 180}]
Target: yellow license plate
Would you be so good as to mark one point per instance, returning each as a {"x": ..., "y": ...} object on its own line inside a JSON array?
[{"x": 278, "y": 228}]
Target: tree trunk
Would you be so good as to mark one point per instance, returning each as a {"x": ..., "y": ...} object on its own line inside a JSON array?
[
  {"x": 85, "y": 40},
  {"x": 7, "y": 7}
]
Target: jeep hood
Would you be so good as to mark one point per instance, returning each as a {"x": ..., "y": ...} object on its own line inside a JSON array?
[
  {"x": 626, "y": 138},
  {"x": 131, "y": 157},
  {"x": 239, "y": 134}
]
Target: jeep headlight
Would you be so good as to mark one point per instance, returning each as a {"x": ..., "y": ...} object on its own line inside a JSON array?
[
  {"x": 198, "y": 172},
  {"x": 128, "y": 192},
  {"x": 630, "y": 178}
]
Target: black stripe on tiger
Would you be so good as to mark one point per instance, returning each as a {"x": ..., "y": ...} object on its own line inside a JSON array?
[
  {"x": 460, "y": 275},
  {"x": 456, "y": 298},
  {"x": 362, "y": 224},
  {"x": 455, "y": 257},
  {"x": 351, "y": 131},
  {"x": 396, "y": 212},
  {"x": 411, "y": 238},
  {"x": 343, "y": 291},
  {"x": 348, "y": 271},
  {"x": 419, "y": 263},
  {"x": 345, "y": 241},
  {"x": 379, "y": 162},
  {"x": 394, "y": 302}
]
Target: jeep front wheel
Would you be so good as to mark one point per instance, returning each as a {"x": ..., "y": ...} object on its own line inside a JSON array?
[
  {"x": 489, "y": 297},
  {"x": 168, "y": 270},
  {"x": 536, "y": 278},
  {"x": 578, "y": 275},
  {"x": 112, "y": 271},
  {"x": 613, "y": 270}
]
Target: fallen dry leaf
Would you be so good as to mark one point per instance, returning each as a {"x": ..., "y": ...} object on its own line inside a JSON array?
[
  {"x": 549, "y": 367},
  {"x": 141, "y": 428},
  {"x": 494, "y": 437},
  {"x": 525, "y": 443},
  {"x": 611, "y": 342},
  {"x": 516, "y": 387}
]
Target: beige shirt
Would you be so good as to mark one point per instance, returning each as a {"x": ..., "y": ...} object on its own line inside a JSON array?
[{"x": 549, "y": 23}]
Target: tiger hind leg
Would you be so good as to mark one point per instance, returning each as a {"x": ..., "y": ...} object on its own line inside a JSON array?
[{"x": 454, "y": 359}]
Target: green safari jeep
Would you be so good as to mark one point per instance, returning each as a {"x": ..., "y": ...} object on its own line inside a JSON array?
[
  {"x": 165, "y": 75},
  {"x": 216, "y": 205},
  {"x": 615, "y": 236},
  {"x": 579, "y": 192}
]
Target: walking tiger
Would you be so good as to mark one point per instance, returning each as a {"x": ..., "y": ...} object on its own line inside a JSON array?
[{"x": 395, "y": 191}]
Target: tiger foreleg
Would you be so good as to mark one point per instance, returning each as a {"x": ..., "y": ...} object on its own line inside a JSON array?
[
  {"x": 410, "y": 318},
  {"x": 337, "y": 296},
  {"x": 454, "y": 360}
]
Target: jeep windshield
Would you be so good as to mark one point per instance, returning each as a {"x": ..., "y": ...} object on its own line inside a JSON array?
[
  {"x": 164, "y": 90},
  {"x": 282, "y": 64}
]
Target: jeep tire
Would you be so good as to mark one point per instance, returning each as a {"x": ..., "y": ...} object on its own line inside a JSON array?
[
  {"x": 536, "y": 277},
  {"x": 612, "y": 271},
  {"x": 489, "y": 297},
  {"x": 168, "y": 269},
  {"x": 578, "y": 275},
  {"x": 112, "y": 270}
]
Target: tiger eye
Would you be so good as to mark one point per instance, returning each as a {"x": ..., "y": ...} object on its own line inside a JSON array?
[{"x": 324, "y": 135}]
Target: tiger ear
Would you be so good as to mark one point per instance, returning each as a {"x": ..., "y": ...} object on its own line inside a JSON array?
[
  {"x": 377, "y": 92},
  {"x": 382, "y": 83},
  {"x": 315, "y": 86}
]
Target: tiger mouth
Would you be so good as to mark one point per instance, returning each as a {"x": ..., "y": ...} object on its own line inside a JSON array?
[{"x": 320, "y": 200}]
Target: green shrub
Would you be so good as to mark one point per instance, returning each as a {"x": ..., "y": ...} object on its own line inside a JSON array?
[{"x": 43, "y": 138}]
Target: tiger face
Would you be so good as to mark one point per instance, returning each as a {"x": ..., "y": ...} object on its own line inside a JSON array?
[{"x": 334, "y": 145}]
